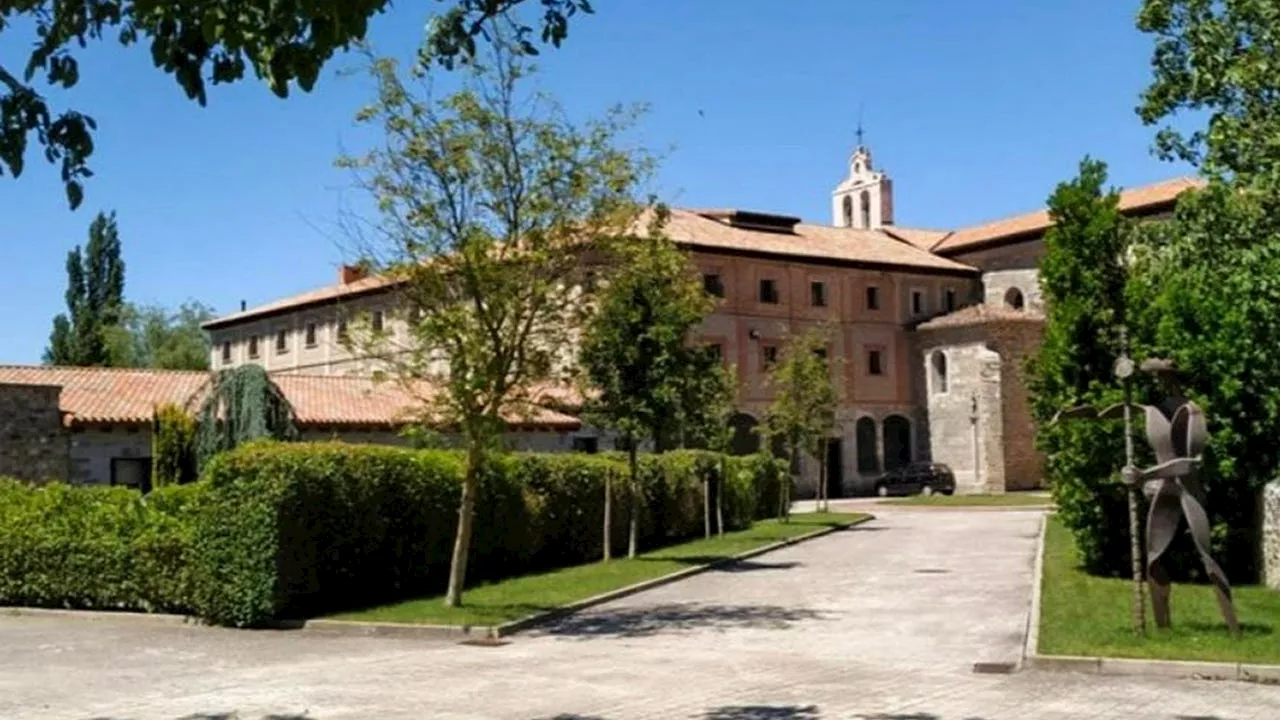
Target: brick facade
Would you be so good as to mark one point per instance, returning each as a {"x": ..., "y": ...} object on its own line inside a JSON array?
[{"x": 33, "y": 442}]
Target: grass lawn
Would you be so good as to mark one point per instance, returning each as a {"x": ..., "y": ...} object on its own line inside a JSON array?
[
  {"x": 514, "y": 598},
  {"x": 1089, "y": 616},
  {"x": 1005, "y": 500}
]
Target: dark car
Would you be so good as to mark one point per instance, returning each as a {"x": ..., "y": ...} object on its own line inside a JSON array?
[{"x": 920, "y": 477}]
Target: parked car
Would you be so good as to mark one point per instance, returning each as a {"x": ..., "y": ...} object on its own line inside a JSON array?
[{"x": 920, "y": 477}]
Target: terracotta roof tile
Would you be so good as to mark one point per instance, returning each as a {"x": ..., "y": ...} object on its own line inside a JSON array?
[
  {"x": 919, "y": 237},
  {"x": 126, "y": 396},
  {"x": 980, "y": 314},
  {"x": 821, "y": 242},
  {"x": 1135, "y": 199},
  {"x": 328, "y": 293}
]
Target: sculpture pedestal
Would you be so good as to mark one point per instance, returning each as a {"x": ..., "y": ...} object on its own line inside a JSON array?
[{"x": 1271, "y": 535}]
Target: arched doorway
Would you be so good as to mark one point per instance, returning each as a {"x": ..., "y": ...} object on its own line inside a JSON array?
[
  {"x": 897, "y": 441},
  {"x": 746, "y": 435},
  {"x": 1013, "y": 298},
  {"x": 865, "y": 438}
]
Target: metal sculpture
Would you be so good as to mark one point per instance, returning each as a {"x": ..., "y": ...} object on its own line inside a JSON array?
[{"x": 1177, "y": 434}]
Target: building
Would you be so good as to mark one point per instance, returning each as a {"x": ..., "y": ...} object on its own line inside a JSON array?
[
  {"x": 931, "y": 326},
  {"x": 93, "y": 425}
]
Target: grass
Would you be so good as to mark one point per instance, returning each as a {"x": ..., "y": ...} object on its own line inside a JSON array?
[
  {"x": 1090, "y": 616},
  {"x": 498, "y": 602},
  {"x": 1005, "y": 500}
]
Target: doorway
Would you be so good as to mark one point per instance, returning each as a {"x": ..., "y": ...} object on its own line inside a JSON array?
[{"x": 835, "y": 468}]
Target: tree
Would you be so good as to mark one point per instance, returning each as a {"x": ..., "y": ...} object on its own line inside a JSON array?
[
  {"x": 95, "y": 296},
  {"x": 707, "y": 393},
  {"x": 488, "y": 197},
  {"x": 634, "y": 351},
  {"x": 173, "y": 446},
  {"x": 803, "y": 410},
  {"x": 282, "y": 42},
  {"x": 152, "y": 336},
  {"x": 1216, "y": 59},
  {"x": 242, "y": 404}
]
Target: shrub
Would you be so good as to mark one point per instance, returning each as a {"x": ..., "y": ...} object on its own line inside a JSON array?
[
  {"x": 173, "y": 450},
  {"x": 95, "y": 547}
]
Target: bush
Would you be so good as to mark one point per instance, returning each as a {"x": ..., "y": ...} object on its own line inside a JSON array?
[
  {"x": 296, "y": 530},
  {"x": 173, "y": 450},
  {"x": 95, "y": 547}
]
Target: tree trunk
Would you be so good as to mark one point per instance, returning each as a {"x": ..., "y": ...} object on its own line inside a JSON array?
[
  {"x": 822, "y": 485},
  {"x": 608, "y": 517},
  {"x": 635, "y": 499},
  {"x": 1135, "y": 546},
  {"x": 462, "y": 541},
  {"x": 722, "y": 484},
  {"x": 706, "y": 506}
]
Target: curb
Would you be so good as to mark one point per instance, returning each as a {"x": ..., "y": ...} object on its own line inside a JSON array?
[
  {"x": 157, "y": 618},
  {"x": 409, "y": 631},
  {"x": 1031, "y": 638},
  {"x": 524, "y": 623}
]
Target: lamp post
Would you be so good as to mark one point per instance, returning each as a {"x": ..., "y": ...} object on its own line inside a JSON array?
[
  {"x": 973, "y": 431},
  {"x": 1124, "y": 371}
]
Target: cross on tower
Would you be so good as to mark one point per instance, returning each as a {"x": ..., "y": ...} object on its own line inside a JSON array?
[{"x": 859, "y": 133}]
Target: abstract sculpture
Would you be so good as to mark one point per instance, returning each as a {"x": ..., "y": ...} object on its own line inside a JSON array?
[{"x": 1177, "y": 433}]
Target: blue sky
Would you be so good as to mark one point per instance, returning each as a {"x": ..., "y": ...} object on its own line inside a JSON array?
[{"x": 976, "y": 110}]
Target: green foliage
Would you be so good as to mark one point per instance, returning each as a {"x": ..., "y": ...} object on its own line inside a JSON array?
[
  {"x": 803, "y": 411},
  {"x": 1083, "y": 282},
  {"x": 105, "y": 548},
  {"x": 173, "y": 446},
  {"x": 152, "y": 336},
  {"x": 243, "y": 404},
  {"x": 95, "y": 297},
  {"x": 299, "y": 529},
  {"x": 282, "y": 41},
  {"x": 1216, "y": 59}
]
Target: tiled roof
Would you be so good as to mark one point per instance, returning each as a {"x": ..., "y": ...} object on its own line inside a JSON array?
[
  {"x": 125, "y": 396},
  {"x": 980, "y": 314},
  {"x": 1147, "y": 197},
  {"x": 921, "y": 238},
  {"x": 328, "y": 293},
  {"x": 820, "y": 242}
]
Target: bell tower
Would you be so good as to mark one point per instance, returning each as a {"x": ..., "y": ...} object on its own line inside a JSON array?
[{"x": 864, "y": 199}]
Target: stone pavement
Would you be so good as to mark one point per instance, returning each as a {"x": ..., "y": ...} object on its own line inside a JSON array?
[{"x": 883, "y": 621}]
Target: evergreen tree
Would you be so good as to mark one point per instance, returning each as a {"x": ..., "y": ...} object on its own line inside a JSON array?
[
  {"x": 242, "y": 405},
  {"x": 95, "y": 299}
]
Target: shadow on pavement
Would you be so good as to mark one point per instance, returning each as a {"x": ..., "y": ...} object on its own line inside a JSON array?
[
  {"x": 238, "y": 716},
  {"x": 764, "y": 712},
  {"x": 730, "y": 566},
  {"x": 654, "y": 619}
]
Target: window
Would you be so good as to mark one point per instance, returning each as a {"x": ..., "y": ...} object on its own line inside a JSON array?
[
  {"x": 253, "y": 346},
  {"x": 938, "y": 365},
  {"x": 132, "y": 472},
  {"x": 949, "y": 300},
  {"x": 716, "y": 351},
  {"x": 866, "y": 209},
  {"x": 226, "y": 353},
  {"x": 713, "y": 284},
  {"x": 820, "y": 353},
  {"x": 342, "y": 331},
  {"x": 589, "y": 445},
  {"x": 848, "y": 211},
  {"x": 818, "y": 294},
  {"x": 769, "y": 354},
  {"x": 1013, "y": 298},
  {"x": 375, "y": 321},
  {"x": 311, "y": 335},
  {"x": 868, "y": 458},
  {"x": 874, "y": 365},
  {"x": 282, "y": 341},
  {"x": 769, "y": 291},
  {"x": 873, "y": 297},
  {"x": 917, "y": 302}
]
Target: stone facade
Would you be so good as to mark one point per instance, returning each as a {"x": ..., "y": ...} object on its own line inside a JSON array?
[
  {"x": 33, "y": 442},
  {"x": 1271, "y": 535}
]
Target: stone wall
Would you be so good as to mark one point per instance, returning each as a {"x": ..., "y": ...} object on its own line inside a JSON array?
[
  {"x": 33, "y": 443},
  {"x": 1271, "y": 535}
]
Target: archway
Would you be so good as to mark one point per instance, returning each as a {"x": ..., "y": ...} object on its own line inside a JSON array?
[
  {"x": 897, "y": 441},
  {"x": 848, "y": 211},
  {"x": 1013, "y": 298},
  {"x": 865, "y": 437},
  {"x": 938, "y": 364},
  {"x": 746, "y": 436}
]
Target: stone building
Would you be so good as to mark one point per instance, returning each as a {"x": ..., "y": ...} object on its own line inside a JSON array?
[
  {"x": 931, "y": 327},
  {"x": 93, "y": 425}
]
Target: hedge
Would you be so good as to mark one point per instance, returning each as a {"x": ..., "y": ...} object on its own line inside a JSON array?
[
  {"x": 96, "y": 547},
  {"x": 276, "y": 531}
]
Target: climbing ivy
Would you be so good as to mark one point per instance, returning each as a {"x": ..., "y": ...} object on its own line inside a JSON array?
[
  {"x": 242, "y": 404},
  {"x": 173, "y": 437}
]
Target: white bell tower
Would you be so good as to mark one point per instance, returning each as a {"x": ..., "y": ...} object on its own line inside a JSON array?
[{"x": 864, "y": 199}]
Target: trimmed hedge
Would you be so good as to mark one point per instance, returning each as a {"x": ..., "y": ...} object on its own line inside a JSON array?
[
  {"x": 96, "y": 547},
  {"x": 289, "y": 530}
]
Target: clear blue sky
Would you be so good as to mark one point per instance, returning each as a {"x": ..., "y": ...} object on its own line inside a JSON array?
[{"x": 975, "y": 109}]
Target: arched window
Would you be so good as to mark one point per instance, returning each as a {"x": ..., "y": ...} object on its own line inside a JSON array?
[
  {"x": 865, "y": 436},
  {"x": 897, "y": 442},
  {"x": 866, "y": 209},
  {"x": 848, "y": 211},
  {"x": 938, "y": 364},
  {"x": 1013, "y": 298}
]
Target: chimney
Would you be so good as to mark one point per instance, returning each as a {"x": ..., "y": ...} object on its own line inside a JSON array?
[
  {"x": 348, "y": 274},
  {"x": 243, "y": 306}
]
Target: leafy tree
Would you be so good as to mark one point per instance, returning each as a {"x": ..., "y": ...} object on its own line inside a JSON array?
[
  {"x": 1216, "y": 59},
  {"x": 708, "y": 391},
  {"x": 173, "y": 446},
  {"x": 152, "y": 336},
  {"x": 242, "y": 404},
  {"x": 803, "y": 412},
  {"x": 488, "y": 196},
  {"x": 635, "y": 355},
  {"x": 206, "y": 43},
  {"x": 95, "y": 296}
]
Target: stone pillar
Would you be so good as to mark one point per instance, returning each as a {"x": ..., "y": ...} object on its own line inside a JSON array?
[{"x": 1271, "y": 535}]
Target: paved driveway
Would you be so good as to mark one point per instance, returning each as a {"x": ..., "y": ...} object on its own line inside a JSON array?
[{"x": 884, "y": 621}]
